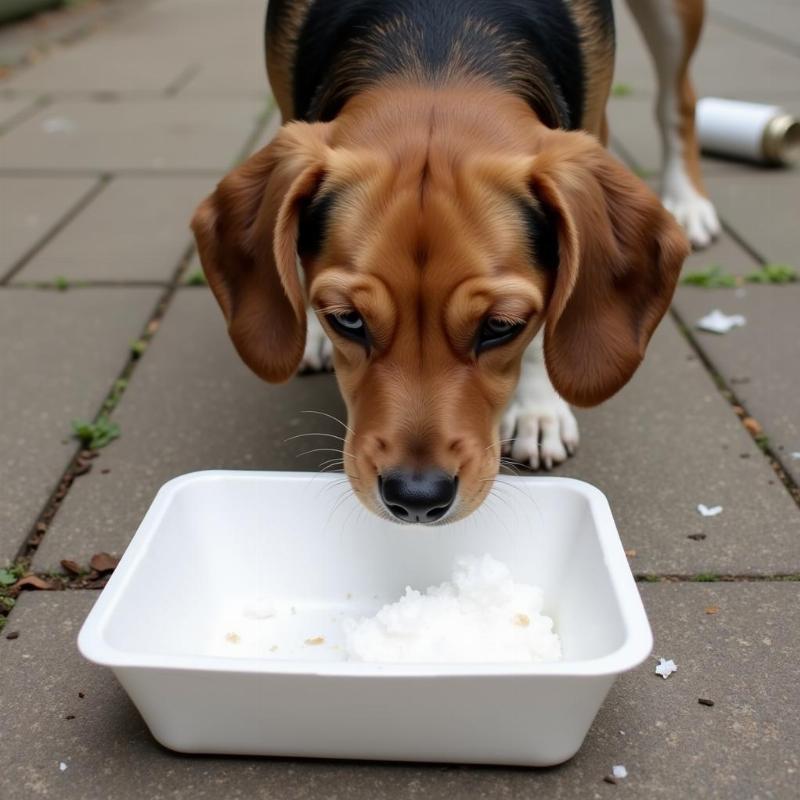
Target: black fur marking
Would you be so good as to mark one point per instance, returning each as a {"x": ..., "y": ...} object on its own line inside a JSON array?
[
  {"x": 531, "y": 47},
  {"x": 313, "y": 224},
  {"x": 541, "y": 229}
]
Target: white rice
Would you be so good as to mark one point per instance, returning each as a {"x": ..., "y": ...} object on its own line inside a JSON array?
[{"x": 481, "y": 615}]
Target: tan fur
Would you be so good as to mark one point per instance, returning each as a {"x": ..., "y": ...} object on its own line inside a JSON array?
[
  {"x": 690, "y": 13},
  {"x": 425, "y": 241},
  {"x": 281, "y": 56},
  {"x": 598, "y": 65}
]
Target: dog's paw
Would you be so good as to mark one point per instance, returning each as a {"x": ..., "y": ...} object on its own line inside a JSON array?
[
  {"x": 539, "y": 434},
  {"x": 318, "y": 355},
  {"x": 694, "y": 213}
]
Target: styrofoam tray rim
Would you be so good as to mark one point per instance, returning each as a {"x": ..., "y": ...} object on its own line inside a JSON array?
[{"x": 636, "y": 647}]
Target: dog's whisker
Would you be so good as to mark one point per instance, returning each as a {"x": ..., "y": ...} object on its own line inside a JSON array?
[
  {"x": 329, "y": 416},
  {"x": 325, "y": 450},
  {"x": 328, "y": 435},
  {"x": 500, "y": 441}
]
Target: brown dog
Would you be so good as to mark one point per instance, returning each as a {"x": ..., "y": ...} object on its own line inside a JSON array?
[{"x": 440, "y": 207}]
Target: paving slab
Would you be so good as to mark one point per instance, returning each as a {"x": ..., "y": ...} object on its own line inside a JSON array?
[
  {"x": 104, "y": 62},
  {"x": 760, "y": 361},
  {"x": 667, "y": 442},
  {"x": 778, "y": 17},
  {"x": 763, "y": 209},
  {"x": 759, "y": 71},
  {"x": 193, "y": 405},
  {"x": 31, "y": 207},
  {"x": 136, "y": 229},
  {"x": 671, "y": 745},
  {"x": 13, "y": 108},
  {"x": 61, "y": 353},
  {"x": 167, "y": 133}
]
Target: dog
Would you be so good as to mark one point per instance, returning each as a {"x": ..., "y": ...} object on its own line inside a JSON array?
[{"x": 440, "y": 198}]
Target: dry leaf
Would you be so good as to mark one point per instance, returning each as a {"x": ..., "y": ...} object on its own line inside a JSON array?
[
  {"x": 71, "y": 566},
  {"x": 753, "y": 426},
  {"x": 712, "y": 609},
  {"x": 103, "y": 562},
  {"x": 33, "y": 582}
]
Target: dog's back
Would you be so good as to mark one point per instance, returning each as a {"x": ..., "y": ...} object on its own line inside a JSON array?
[{"x": 553, "y": 53}]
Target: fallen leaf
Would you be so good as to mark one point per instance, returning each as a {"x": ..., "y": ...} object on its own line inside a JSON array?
[
  {"x": 712, "y": 609},
  {"x": 71, "y": 566},
  {"x": 34, "y": 582},
  {"x": 103, "y": 562},
  {"x": 753, "y": 426}
]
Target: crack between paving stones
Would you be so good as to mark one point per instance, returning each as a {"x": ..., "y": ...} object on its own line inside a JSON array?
[
  {"x": 772, "y": 457},
  {"x": 59, "y": 226},
  {"x": 182, "y": 80}
]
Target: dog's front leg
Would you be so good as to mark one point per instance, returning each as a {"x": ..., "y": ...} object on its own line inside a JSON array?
[
  {"x": 538, "y": 427},
  {"x": 318, "y": 355}
]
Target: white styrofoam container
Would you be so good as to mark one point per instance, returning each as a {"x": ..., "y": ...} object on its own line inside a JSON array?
[{"x": 173, "y": 622}]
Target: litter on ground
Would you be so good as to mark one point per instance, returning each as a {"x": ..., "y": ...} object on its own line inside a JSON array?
[
  {"x": 717, "y": 322},
  {"x": 619, "y": 771},
  {"x": 666, "y": 667},
  {"x": 707, "y": 511}
]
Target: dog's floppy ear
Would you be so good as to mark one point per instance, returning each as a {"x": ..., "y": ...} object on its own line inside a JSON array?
[
  {"x": 247, "y": 233},
  {"x": 619, "y": 256}
]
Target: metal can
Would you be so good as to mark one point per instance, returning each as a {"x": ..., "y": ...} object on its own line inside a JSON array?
[{"x": 751, "y": 131}]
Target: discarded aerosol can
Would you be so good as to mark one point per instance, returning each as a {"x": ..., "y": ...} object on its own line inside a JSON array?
[{"x": 750, "y": 131}]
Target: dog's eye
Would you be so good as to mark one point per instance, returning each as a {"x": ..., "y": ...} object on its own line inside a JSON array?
[
  {"x": 495, "y": 331},
  {"x": 350, "y": 324}
]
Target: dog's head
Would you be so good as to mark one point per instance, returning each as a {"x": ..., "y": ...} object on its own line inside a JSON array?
[{"x": 432, "y": 255}]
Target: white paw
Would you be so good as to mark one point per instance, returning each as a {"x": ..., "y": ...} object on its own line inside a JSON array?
[
  {"x": 318, "y": 355},
  {"x": 539, "y": 434},
  {"x": 694, "y": 213}
]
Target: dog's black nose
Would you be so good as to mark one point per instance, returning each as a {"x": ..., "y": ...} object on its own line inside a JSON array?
[{"x": 418, "y": 496}]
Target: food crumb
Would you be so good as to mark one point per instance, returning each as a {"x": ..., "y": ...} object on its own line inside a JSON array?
[
  {"x": 707, "y": 511},
  {"x": 316, "y": 640},
  {"x": 630, "y": 553},
  {"x": 666, "y": 667},
  {"x": 619, "y": 771},
  {"x": 523, "y": 620},
  {"x": 704, "y": 701},
  {"x": 233, "y": 638}
]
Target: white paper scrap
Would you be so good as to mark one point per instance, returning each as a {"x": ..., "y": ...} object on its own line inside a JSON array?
[
  {"x": 62, "y": 766},
  {"x": 619, "y": 771},
  {"x": 717, "y": 322},
  {"x": 709, "y": 512},
  {"x": 666, "y": 667}
]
